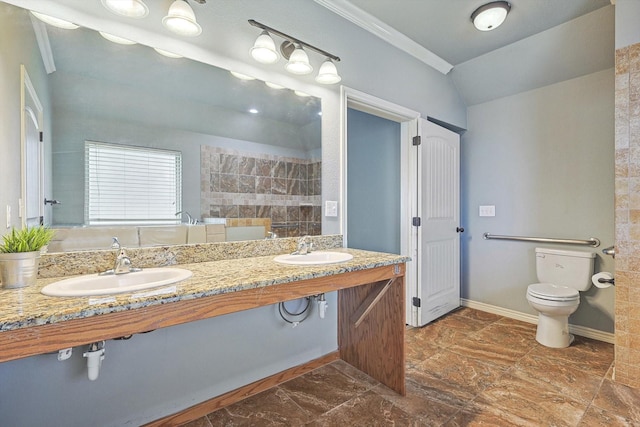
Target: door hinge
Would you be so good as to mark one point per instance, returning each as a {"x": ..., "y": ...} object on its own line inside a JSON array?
[
  {"x": 41, "y": 136},
  {"x": 417, "y": 140},
  {"x": 416, "y": 302},
  {"x": 416, "y": 221}
]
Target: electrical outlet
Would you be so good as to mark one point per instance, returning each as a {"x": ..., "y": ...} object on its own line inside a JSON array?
[
  {"x": 330, "y": 208},
  {"x": 489, "y": 210}
]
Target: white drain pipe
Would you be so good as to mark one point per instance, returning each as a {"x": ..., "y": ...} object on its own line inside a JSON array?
[{"x": 95, "y": 356}]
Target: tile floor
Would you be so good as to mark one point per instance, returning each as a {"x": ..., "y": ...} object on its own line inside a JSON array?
[{"x": 468, "y": 368}]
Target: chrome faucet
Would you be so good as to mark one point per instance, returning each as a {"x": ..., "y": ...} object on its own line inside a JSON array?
[
  {"x": 192, "y": 220},
  {"x": 122, "y": 264},
  {"x": 271, "y": 235},
  {"x": 304, "y": 246}
]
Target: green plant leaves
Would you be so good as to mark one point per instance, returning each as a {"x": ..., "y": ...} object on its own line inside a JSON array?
[{"x": 26, "y": 239}]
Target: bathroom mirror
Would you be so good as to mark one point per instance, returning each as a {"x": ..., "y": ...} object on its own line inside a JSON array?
[{"x": 242, "y": 142}]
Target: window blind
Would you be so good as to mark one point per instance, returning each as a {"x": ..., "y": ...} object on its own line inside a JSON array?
[{"x": 131, "y": 185}]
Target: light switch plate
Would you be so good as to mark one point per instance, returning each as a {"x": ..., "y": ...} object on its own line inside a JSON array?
[
  {"x": 330, "y": 208},
  {"x": 488, "y": 210}
]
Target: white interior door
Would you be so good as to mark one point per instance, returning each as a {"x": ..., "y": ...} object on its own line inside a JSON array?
[
  {"x": 439, "y": 211},
  {"x": 32, "y": 170}
]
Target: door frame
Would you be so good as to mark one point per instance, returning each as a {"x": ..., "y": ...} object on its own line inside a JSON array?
[{"x": 409, "y": 121}]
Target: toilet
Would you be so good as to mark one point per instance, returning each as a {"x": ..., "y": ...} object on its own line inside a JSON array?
[{"x": 562, "y": 275}]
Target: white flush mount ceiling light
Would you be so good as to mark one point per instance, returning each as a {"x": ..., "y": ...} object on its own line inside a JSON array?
[
  {"x": 491, "y": 15},
  {"x": 292, "y": 49},
  {"x": 264, "y": 49},
  {"x": 128, "y": 8},
  {"x": 56, "y": 22},
  {"x": 181, "y": 19},
  {"x": 116, "y": 39}
]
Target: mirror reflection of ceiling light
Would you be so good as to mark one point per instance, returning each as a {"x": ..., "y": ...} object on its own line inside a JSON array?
[
  {"x": 167, "y": 53},
  {"x": 274, "y": 85},
  {"x": 116, "y": 39},
  {"x": 56, "y": 22},
  {"x": 491, "y": 15},
  {"x": 253, "y": 111},
  {"x": 181, "y": 20},
  {"x": 128, "y": 8},
  {"x": 301, "y": 93},
  {"x": 241, "y": 76},
  {"x": 298, "y": 63}
]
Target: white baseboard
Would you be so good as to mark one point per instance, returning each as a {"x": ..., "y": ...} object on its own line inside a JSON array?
[{"x": 530, "y": 318}]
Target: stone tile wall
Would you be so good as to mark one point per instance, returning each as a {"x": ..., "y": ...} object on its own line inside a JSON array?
[
  {"x": 627, "y": 205},
  {"x": 237, "y": 184}
]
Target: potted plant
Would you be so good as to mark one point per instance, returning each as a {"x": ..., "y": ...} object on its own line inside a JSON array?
[{"x": 20, "y": 255}]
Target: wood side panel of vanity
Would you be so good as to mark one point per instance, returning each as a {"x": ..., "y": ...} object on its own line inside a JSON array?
[{"x": 29, "y": 341}]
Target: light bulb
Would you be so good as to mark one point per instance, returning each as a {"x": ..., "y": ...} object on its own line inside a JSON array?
[{"x": 128, "y": 8}]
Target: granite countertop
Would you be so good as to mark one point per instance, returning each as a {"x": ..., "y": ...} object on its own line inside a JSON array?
[{"x": 26, "y": 307}]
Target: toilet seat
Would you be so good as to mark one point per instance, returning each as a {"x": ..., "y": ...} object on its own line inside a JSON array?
[{"x": 551, "y": 292}]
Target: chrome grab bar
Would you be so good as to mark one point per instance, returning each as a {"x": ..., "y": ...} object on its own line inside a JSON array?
[{"x": 592, "y": 241}]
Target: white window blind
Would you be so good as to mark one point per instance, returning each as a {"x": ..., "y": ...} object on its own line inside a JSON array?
[{"x": 131, "y": 185}]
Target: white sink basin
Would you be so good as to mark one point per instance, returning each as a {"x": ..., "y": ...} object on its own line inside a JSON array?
[
  {"x": 95, "y": 284},
  {"x": 314, "y": 258}
]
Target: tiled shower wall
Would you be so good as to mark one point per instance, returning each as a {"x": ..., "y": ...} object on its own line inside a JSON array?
[
  {"x": 238, "y": 184},
  {"x": 627, "y": 205}
]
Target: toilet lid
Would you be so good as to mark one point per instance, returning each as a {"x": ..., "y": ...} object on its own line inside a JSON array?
[{"x": 549, "y": 291}]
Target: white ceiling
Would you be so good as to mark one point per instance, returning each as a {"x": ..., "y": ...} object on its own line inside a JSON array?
[{"x": 444, "y": 26}]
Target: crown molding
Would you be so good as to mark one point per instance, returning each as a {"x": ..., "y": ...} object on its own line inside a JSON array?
[
  {"x": 42, "y": 37},
  {"x": 387, "y": 33}
]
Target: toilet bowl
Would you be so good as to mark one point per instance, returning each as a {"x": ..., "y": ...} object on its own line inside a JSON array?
[
  {"x": 562, "y": 274},
  {"x": 554, "y": 305}
]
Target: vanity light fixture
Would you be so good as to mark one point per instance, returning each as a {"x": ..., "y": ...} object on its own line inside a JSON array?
[
  {"x": 491, "y": 15},
  {"x": 116, "y": 39},
  {"x": 253, "y": 110},
  {"x": 301, "y": 94},
  {"x": 264, "y": 49},
  {"x": 56, "y": 22},
  {"x": 129, "y": 8},
  {"x": 181, "y": 19},
  {"x": 299, "y": 62},
  {"x": 292, "y": 49}
]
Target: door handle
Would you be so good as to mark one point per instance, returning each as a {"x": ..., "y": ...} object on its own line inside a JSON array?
[{"x": 460, "y": 229}]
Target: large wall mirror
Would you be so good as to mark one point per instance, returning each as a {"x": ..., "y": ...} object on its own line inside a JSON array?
[{"x": 248, "y": 151}]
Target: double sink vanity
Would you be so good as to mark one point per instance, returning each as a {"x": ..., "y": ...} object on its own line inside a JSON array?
[{"x": 213, "y": 280}]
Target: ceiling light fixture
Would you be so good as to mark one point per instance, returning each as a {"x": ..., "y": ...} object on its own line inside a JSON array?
[
  {"x": 274, "y": 85},
  {"x": 56, "y": 22},
  {"x": 291, "y": 48},
  {"x": 491, "y": 15},
  {"x": 264, "y": 49},
  {"x": 116, "y": 39},
  {"x": 181, "y": 19},
  {"x": 129, "y": 8}
]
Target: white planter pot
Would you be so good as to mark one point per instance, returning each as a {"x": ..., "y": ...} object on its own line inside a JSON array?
[{"x": 19, "y": 269}]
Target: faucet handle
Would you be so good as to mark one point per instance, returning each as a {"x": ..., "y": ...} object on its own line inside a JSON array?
[{"x": 115, "y": 244}]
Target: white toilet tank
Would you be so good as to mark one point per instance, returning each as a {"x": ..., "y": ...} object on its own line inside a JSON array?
[{"x": 565, "y": 268}]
